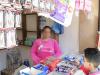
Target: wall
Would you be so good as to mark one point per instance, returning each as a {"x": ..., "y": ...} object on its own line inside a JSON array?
[
  {"x": 2, "y": 59},
  {"x": 88, "y": 27},
  {"x": 69, "y": 41}
]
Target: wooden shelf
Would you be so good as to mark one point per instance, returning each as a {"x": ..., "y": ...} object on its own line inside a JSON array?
[
  {"x": 25, "y": 32},
  {"x": 19, "y": 28},
  {"x": 32, "y": 31}
]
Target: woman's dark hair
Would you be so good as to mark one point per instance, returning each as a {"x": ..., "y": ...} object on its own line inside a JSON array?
[
  {"x": 92, "y": 55},
  {"x": 47, "y": 27}
]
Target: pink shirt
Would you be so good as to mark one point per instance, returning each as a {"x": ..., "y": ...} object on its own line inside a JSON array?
[{"x": 42, "y": 49}]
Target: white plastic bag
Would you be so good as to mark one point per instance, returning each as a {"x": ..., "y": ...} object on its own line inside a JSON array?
[
  {"x": 18, "y": 20},
  {"x": 1, "y": 19},
  {"x": 10, "y": 39},
  {"x": 9, "y": 19},
  {"x": 2, "y": 40}
]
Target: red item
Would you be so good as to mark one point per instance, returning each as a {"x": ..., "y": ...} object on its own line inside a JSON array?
[
  {"x": 85, "y": 70},
  {"x": 53, "y": 64}
]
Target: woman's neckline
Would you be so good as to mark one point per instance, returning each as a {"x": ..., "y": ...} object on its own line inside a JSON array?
[{"x": 45, "y": 39}]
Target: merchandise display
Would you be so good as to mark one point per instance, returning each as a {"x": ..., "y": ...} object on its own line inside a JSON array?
[
  {"x": 10, "y": 19},
  {"x": 64, "y": 66}
]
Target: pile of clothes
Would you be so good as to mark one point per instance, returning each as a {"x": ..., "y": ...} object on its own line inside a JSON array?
[
  {"x": 69, "y": 64},
  {"x": 62, "y": 66}
]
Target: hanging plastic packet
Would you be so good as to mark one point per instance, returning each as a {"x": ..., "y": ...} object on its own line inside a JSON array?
[
  {"x": 17, "y": 1},
  {"x": 4, "y": 1},
  {"x": 48, "y": 6},
  {"x": 18, "y": 20},
  {"x": 28, "y": 4},
  {"x": 81, "y": 4},
  {"x": 35, "y": 4},
  {"x": 1, "y": 19},
  {"x": 42, "y": 5},
  {"x": 11, "y": 40},
  {"x": 77, "y": 7},
  {"x": 9, "y": 19},
  {"x": 2, "y": 40},
  {"x": 11, "y": 1},
  {"x": 88, "y": 6},
  {"x": 17, "y": 4}
]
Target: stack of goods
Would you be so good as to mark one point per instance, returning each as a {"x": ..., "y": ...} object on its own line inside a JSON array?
[
  {"x": 37, "y": 5},
  {"x": 54, "y": 66},
  {"x": 10, "y": 19},
  {"x": 69, "y": 64}
]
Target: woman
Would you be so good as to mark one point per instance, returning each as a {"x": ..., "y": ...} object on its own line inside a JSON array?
[{"x": 45, "y": 46}]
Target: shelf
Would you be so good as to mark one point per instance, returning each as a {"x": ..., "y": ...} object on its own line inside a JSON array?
[
  {"x": 29, "y": 13},
  {"x": 32, "y": 31},
  {"x": 19, "y": 28},
  {"x": 22, "y": 45}
]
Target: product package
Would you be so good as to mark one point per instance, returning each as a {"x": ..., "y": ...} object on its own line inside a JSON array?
[
  {"x": 11, "y": 40},
  {"x": 9, "y": 19},
  {"x": 1, "y": 19},
  {"x": 2, "y": 40},
  {"x": 18, "y": 20}
]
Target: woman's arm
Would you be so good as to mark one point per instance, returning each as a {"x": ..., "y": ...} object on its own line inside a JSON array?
[
  {"x": 34, "y": 50},
  {"x": 57, "y": 49}
]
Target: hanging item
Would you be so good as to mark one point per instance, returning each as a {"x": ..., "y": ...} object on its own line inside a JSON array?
[
  {"x": 11, "y": 40},
  {"x": 88, "y": 5},
  {"x": 18, "y": 20},
  {"x": 58, "y": 28},
  {"x": 62, "y": 11},
  {"x": 84, "y": 5},
  {"x": 4, "y": 1},
  {"x": 42, "y": 22},
  {"x": 48, "y": 5},
  {"x": 9, "y": 19},
  {"x": 35, "y": 4},
  {"x": 42, "y": 5},
  {"x": 1, "y": 19},
  {"x": 28, "y": 4},
  {"x": 2, "y": 40}
]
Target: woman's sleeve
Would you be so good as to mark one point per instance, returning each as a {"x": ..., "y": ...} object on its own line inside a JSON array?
[
  {"x": 57, "y": 49},
  {"x": 34, "y": 50}
]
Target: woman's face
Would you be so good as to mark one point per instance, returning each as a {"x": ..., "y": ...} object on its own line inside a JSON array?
[{"x": 46, "y": 33}]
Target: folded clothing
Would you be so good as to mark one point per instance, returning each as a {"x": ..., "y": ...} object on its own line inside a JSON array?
[{"x": 70, "y": 63}]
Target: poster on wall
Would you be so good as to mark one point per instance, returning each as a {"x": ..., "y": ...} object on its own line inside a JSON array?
[{"x": 61, "y": 11}]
